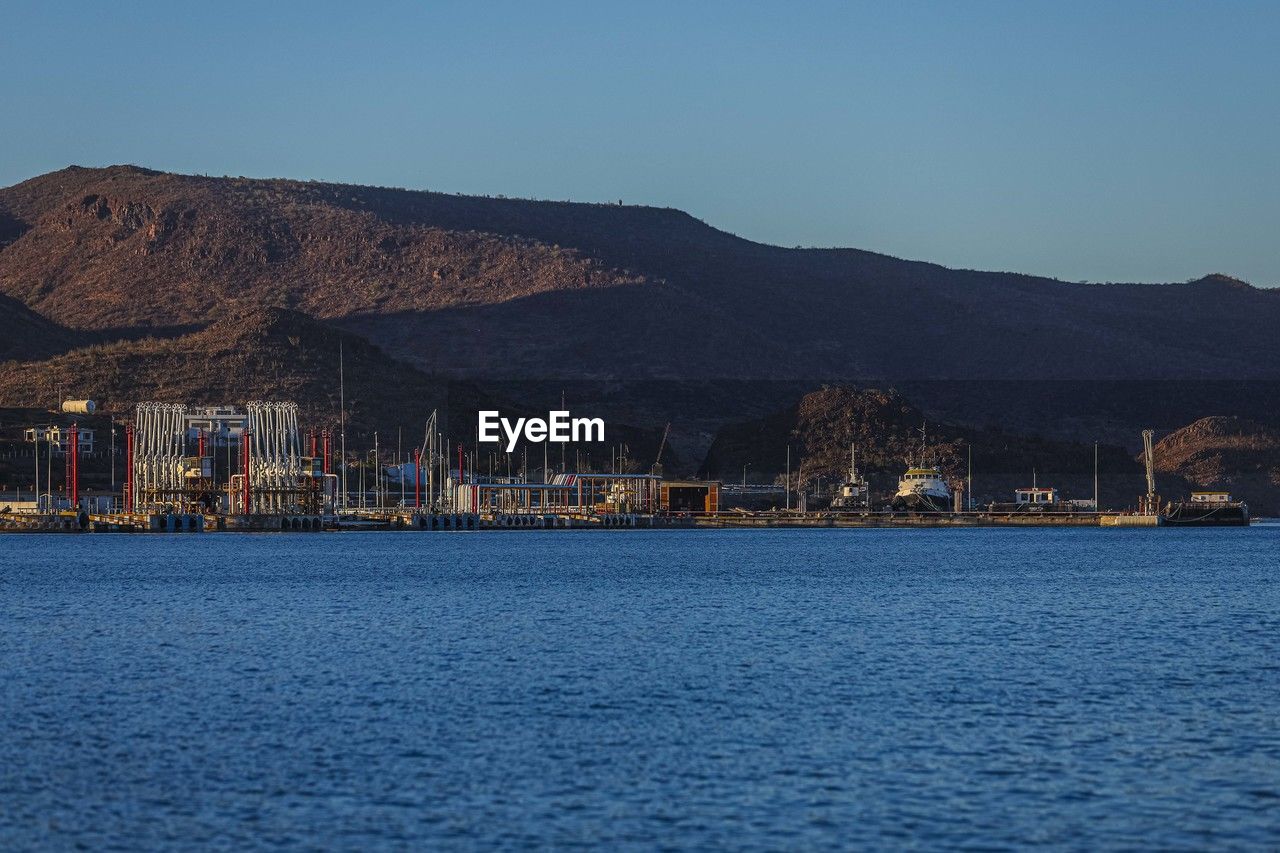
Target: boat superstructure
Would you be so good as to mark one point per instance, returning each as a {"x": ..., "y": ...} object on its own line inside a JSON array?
[
  {"x": 854, "y": 492},
  {"x": 1208, "y": 509},
  {"x": 922, "y": 488}
]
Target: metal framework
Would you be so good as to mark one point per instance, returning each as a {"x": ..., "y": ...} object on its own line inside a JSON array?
[
  {"x": 157, "y": 450},
  {"x": 280, "y": 479},
  {"x": 275, "y": 459},
  {"x": 1152, "y": 503}
]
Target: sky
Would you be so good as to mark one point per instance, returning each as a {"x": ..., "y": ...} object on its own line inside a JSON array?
[{"x": 1119, "y": 141}]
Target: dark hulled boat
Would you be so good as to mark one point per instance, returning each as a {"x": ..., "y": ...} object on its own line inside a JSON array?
[{"x": 1208, "y": 509}]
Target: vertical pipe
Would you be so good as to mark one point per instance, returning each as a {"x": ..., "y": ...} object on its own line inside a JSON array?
[
  {"x": 417, "y": 478},
  {"x": 245, "y": 468},
  {"x": 128, "y": 467},
  {"x": 37, "y": 456}
]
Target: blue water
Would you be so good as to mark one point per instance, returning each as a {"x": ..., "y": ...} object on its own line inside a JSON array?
[{"x": 742, "y": 689}]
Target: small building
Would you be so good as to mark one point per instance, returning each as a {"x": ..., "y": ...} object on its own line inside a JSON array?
[
  {"x": 1211, "y": 497},
  {"x": 701, "y": 496},
  {"x": 60, "y": 437},
  {"x": 1036, "y": 495},
  {"x": 221, "y": 426}
]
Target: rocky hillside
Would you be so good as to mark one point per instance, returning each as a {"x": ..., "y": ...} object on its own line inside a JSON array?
[
  {"x": 1230, "y": 453},
  {"x": 267, "y": 353},
  {"x": 885, "y": 427},
  {"x": 278, "y": 354},
  {"x": 505, "y": 288}
]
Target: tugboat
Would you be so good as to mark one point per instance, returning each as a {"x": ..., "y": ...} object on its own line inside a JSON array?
[
  {"x": 854, "y": 493},
  {"x": 1208, "y": 509},
  {"x": 922, "y": 488}
]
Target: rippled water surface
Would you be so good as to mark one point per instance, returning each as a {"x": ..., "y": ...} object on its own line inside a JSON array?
[{"x": 687, "y": 688}]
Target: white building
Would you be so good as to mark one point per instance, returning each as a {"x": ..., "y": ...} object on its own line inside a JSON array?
[
  {"x": 60, "y": 437},
  {"x": 1036, "y": 495}
]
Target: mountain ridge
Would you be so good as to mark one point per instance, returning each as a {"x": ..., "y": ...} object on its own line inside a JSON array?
[{"x": 494, "y": 287}]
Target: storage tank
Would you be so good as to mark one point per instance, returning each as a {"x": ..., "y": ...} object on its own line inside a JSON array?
[{"x": 79, "y": 407}]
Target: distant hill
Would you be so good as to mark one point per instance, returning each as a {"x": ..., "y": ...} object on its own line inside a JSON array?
[
  {"x": 1230, "y": 453},
  {"x": 257, "y": 353},
  {"x": 278, "y": 354},
  {"x": 493, "y": 287}
]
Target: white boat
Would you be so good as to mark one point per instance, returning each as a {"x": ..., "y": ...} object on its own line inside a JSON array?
[{"x": 922, "y": 488}]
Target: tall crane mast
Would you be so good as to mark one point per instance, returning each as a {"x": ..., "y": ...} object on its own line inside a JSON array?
[
  {"x": 657, "y": 463},
  {"x": 1149, "y": 457}
]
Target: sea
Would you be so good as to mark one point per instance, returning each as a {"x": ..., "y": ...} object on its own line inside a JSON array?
[{"x": 685, "y": 689}]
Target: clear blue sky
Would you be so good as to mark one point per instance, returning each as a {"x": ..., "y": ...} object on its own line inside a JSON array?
[{"x": 1099, "y": 141}]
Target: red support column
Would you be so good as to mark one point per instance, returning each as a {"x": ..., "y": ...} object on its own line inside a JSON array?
[
  {"x": 200, "y": 444},
  {"x": 327, "y": 446},
  {"x": 73, "y": 447}
]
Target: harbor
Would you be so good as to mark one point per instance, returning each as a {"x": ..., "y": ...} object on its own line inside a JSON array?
[{"x": 252, "y": 468}]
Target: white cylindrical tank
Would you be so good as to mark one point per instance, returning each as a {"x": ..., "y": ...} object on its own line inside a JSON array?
[{"x": 79, "y": 407}]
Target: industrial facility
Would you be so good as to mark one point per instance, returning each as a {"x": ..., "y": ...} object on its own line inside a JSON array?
[{"x": 254, "y": 467}]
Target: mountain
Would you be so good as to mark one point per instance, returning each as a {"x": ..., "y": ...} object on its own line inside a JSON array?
[
  {"x": 508, "y": 288},
  {"x": 1230, "y": 453}
]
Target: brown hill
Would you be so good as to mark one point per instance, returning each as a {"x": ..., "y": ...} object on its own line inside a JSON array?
[
  {"x": 278, "y": 354},
  {"x": 266, "y": 353},
  {"x": 507, "y": 288},
  {"x": 1230, "y": 453}
]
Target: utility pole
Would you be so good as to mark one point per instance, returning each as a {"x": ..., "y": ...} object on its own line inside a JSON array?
[
  {"x": 788, "y": 483},
  {"x": 1095, "y": 477},
  {"x": 969, "y": 478},
  {"x": 342, "y": 419}
]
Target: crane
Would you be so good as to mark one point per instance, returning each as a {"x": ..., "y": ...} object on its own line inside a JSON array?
[
  {"x": 1149, "y": 457},
  {"x": 427, "y": 453},
  {"x": 662, "y": 445}
]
